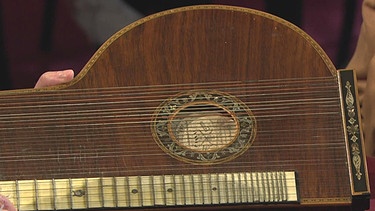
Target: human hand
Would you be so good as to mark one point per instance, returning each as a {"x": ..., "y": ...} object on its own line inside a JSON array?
[
  {"x": 52, "y": 78},
  {"x": 363, "y": 62},
  {"x": 6, "y": 205}
]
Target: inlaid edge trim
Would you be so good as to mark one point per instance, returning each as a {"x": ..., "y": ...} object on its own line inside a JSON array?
[{"x": 353, "y": 133}]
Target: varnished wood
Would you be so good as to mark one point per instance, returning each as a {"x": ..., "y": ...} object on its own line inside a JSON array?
[{"x": 191, "y": 45}]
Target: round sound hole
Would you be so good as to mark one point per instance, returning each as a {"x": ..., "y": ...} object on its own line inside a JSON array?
[{"x": 204, "y": 127}]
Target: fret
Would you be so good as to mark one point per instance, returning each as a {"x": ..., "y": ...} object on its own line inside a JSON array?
[
  {"x": 270, "y": 180},
  {"x": 201, "y": 188},
  {"x": 230, "y": 188},
  {"x": 243, "y": 187},
  {"x": 250, "y": 188},
  {"x": 36, "y": 194},
  {"x": 62, "y": 194},
  {"x": 128, "y": 191},
  {"x": 108, "y": 192},
  {"x": 233, "y": 184},
  {"x": 88, "y": 204},
  {"x": 223, "y": 188},
  {"x": 93, "y": 194},
  {"x": 78, "y": 187},
  {"x": 189, "y": 189},
  {"x": 214, "y": 187},
  {"x": 264, "y": 196},
  {"x": 149, "y": 191},
  {"x": 70, "y": 193},
  {"x": 266, "y": 186},
  {"x": 152, "y": 187},
  {"x": 44, "y": 191},
  {"x": 194, "y": 188},
  {"x": 115, "y": 194},
  {"x": 197, "y": 189},
  {"x": 255, "y": 185},
  {"x": 54, "y": 195},
  {"x": 138, "y": 178},
  {"x": 206, "y": 189},
  {"x": 101, "y": 191},
  {"x": 164, "y": 190},
  {"x": 280, "y": 185},
  {"x": 159, "y": 190},
  {"x": 122, "y": 191},
  {"x": 134, "y": 192},
  {"x": 263, "y": 191},
  {"x": 174, "y": 189},
  {"x": 284, "y": 190},
  {"x": 272, "y": 187},
  {"x": 277, "y": 187},
  {"x": 26, "y": 189},
  {"x": 290, "y": 184},
  {"x": 179, "y": 189},
  {"x": 169, "y": 190},
  {"x": 18, "y": 195},
  {"x": 263, "y": 187},
  {"x": 236, "y": 188}
]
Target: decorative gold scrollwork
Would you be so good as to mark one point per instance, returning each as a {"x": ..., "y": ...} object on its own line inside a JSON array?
[{"x": 353, "y": 130}]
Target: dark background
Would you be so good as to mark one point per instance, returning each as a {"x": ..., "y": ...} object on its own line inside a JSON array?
[{"x": 41, "y": 35}]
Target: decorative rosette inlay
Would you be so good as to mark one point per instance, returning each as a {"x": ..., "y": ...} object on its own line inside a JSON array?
[{"x": 204, "y": 127}]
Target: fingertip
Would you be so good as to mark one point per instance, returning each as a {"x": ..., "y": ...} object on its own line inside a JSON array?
[
  {"x": 66, "y": 74},
  {"x": 52, "y": 78}
]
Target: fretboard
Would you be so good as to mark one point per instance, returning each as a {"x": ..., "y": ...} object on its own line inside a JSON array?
[{"x": 149, "y": 191}]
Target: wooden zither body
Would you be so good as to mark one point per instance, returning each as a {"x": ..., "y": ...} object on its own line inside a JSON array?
[{"x": 204, "y": 107}]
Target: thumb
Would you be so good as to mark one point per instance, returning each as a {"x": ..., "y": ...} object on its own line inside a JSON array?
[{"x": 53, "y": 78}]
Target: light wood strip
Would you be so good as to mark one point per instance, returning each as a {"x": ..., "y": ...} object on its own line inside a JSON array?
[{"x": 149, "y": 191}]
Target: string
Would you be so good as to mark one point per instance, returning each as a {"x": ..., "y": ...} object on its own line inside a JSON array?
[
  {"x": 86, "y": 98},
  {"x": 141, "y": 139},
  {"x": 116, "y": 127},
  {"x": 151, "y": 109},
  {"x": 155, "y": 151},
  {"x": 134, "y": 135},
  {"x": 254, "y": 106},
  {"x": 140, "y": 135},
  {"x": 150, "y": 90},
  {"x": 146, "y": 121},
  {"x": 309, "y": 81},
  {"x": 97, "y": 114},
  {"x": 268, "y": 106},
  {"x": 145, "y": 169}
]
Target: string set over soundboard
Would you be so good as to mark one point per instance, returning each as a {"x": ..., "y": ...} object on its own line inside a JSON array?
[{"x": 197, "y": 108}]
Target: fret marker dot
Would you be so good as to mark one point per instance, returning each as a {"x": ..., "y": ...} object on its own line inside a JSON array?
[{"x": 134, "y": 191}]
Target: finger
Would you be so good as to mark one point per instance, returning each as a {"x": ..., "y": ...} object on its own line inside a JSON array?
[
  {"x": 368, "y": 110},
  {"x": 365, "y": 46},
  {"x": 53, "y": 78},
  {"x": 368, "y": 14},
  {"x": 6, "y": 205},
  {"x": 361, "y": 85}
]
